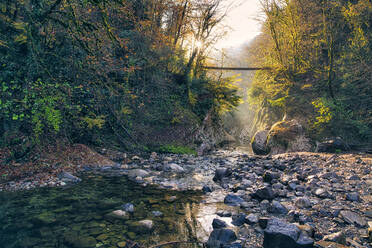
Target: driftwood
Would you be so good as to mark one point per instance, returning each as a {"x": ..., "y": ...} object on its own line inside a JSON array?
[
  {"x": 132, "y": 244},
  {"x": 176, "y": 243}
]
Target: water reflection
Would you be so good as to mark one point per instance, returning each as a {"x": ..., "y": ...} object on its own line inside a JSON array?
[{"x": 81, "y": 216}]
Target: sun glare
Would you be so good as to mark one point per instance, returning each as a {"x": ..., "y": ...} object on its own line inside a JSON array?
[{"x": 198, "y": 44}]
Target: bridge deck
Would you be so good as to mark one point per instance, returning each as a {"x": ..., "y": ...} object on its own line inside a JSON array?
[{"x": 236, "y": 68}]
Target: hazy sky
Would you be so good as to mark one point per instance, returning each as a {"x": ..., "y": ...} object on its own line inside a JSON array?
[{"x": 242, "y": 20}]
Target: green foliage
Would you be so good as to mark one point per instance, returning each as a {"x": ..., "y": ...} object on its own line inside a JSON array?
[
  {"x": 321, "y": 58},
  {"x": 325, "y": 114},
  {"x": 97, "y": 122},
  {"x": 37, "y": 106},
  {"x": 177, "y": 149},
  {"x": 337, "y": 119},
  {"x": 117, "y": 79}
]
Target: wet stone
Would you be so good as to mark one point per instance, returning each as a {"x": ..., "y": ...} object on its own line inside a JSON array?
[
  {"x": 338, "y": 237},
  {"x": 206, "y": 189},
  {"x": 322, "y": 193},
  {"x": 217, "y": 224},
  {"x": 117, "y": 214},
  {"x": 122, "y": 244},
  {"x": 353, "y": 218},
  {"x": 303, "y": 202},
  {"x": 128, "y": 207},
  {"x": 223, "y": 213},
  {"x": 354, "y": 197},
  {"x": 251, "y": 219},
  {"x": 233, "y": 200},
  {"x": 281, "y": 234},
  {"x": 157, "y": 213},
  {"x": 221, "y": 237},
  {"x": 238, "y": 219},
  {"x": 264, "y": 193},
  {"x": 221, "y": 173},
  {"x": 277, "y": 208},
  {"x": 138, "y": 173}
]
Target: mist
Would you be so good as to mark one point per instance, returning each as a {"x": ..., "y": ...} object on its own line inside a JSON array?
[{"x": 240, "y": 122}]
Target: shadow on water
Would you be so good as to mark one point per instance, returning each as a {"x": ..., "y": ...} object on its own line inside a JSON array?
[{"x": 76, "y": 216}]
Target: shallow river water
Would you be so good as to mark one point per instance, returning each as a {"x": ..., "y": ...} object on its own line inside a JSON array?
[{"x": 76, "y": 216}]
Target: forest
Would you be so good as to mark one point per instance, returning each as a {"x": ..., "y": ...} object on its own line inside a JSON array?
[
  {"x": 123, "y": 125},
  {"x": 124, "y": 73},
  {"x": 320, "y": 55},
  {"x": 108, "y": 73}
]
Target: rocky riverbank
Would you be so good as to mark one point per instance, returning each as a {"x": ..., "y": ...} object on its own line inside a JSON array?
[{"x": 287, "y": 200}]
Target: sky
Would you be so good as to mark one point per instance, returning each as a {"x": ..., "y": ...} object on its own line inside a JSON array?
[{"x": 242, "y": 19}]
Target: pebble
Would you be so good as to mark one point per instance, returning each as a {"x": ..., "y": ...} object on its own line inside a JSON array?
[{"x": 302, "y": 187}]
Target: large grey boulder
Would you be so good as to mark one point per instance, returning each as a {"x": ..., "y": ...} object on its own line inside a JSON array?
[
  {"x": 332, "y": 145},
  {"x": 287, "y": 136},
  {"x": 353, "y": 218},
  {"x": 217, "y": 224},
  {"x": 221, "y": 237},
  {"x": 281, "y": 234},
  {"x": 259, "y": 143},
  {"x": 221, "y": 173},
  {"x": 264, "y": 193},
  {"x": 233, "y": 200}
]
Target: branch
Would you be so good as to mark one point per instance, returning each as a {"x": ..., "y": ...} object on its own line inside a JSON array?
[
  {"x": 175, "y": 243},
  {"x": 51, "y": 9}
]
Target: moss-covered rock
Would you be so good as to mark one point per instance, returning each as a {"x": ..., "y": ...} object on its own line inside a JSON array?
[
  {"x": 259, "y": 142},
  {"x": 117, "y": 215},
  {"x": 79, "y": 241},
  {"x": 102, "y": 237},
  {"x": 143, "y": 226},
  {"x": 287, "y": 136},
  {"x": 122, "y": 244},
  {"x": 45, "y": 218}
]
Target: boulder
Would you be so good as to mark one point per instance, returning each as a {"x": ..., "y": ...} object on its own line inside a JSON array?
[
  {"x": 332, "y": 145},
  {"x": 264, "y": 193},
  {"x": 287, "y": 136},
  {"x": 277, "y": 208},
  {"x": 238, "y": 219},
  {"x": 251, "y": 219},
  {"x": 353, "y": 218},
  {"x": 353, "y": 196},
  {"x": 322, "y": 193},
  {"x": 221, "y": 238},
  {"x": 233, "y": 200},
  {"x": 217, "y": 224},
  {"x": 338, "y": 237},
  {"x": 303, "y": 202},
  {"x": 259, "y": 143},
  {"x": 280, "y": 234},
  {"x": 221, "y": 173},
  {"x": 269, "y": 176},
  {"x": 204, "y": 148},
  {"x": 206, "y": 189}
]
